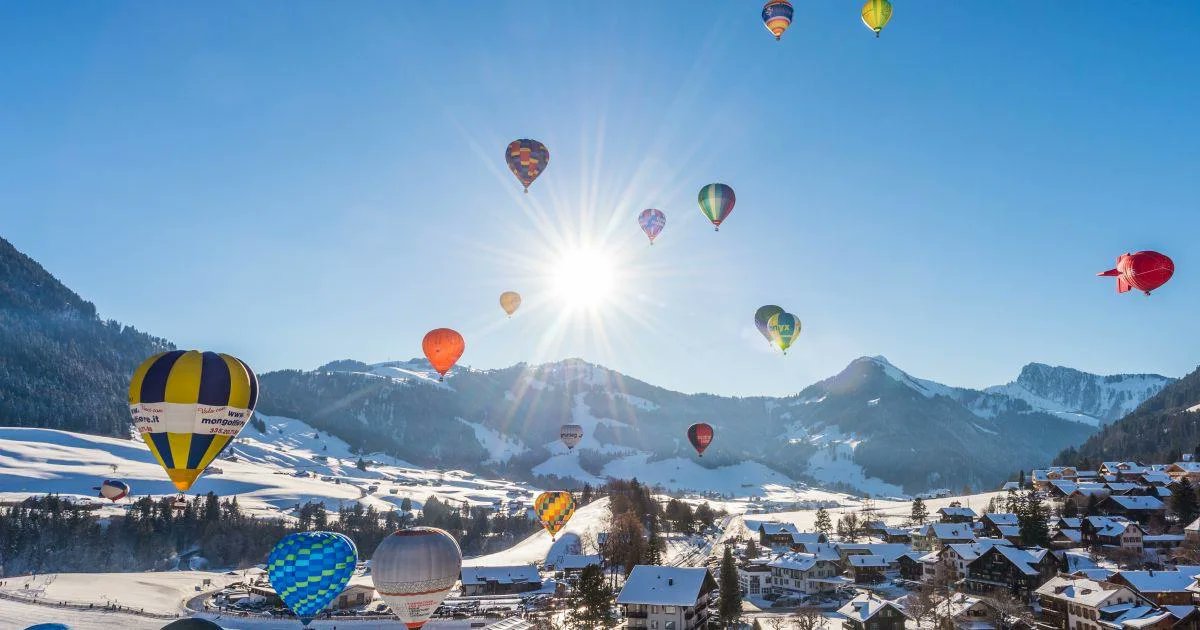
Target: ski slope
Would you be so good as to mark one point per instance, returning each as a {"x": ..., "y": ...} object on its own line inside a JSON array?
[{"x": 588, "y": 521}]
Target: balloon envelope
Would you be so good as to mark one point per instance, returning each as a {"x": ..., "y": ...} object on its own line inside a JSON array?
[
  {"x": 777, "y": 16},
  {"x": 527, "y": 159},
  {"x": 716, "y": 202},
  {"x": 762, "y": 316},
  {"x": 309, "y": 569},
  {"x": 1144, "y": 271},
  {"x": 554, "y": 509},
  {"x": 443, "y": 347},
  {"x": 571, "y": 435},
  {"x": 113, "y": 490},
  {"x": 413, "y": 570},
  {"x": 652, "y": 222},
  {"x": 188, "y": 406},
  {"x": 876, "y": 13},
  {"x": 510, "y": 301},
  {"x": 700, "y": 435},
  {"x": 49, "y": 626},
  {"x": 192, "y": 623},
  {"x": 784, "y": 329}
]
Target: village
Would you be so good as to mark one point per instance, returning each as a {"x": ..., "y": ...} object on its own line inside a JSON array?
[{"x": 1116, "y": 548}]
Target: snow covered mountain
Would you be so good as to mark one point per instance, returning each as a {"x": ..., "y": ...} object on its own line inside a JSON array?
[{"x": 1074, "y": 395}]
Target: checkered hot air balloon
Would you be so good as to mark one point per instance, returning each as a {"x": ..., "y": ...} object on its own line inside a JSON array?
[
  {"x": 309, "y": 569},
  {"x": 527, "y": 159},
  {"x": 554, "y": 509},
  {"x": 188, "y": 406}
]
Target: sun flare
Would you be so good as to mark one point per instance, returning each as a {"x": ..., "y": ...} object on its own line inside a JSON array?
[{"x": 584, "y": 277}]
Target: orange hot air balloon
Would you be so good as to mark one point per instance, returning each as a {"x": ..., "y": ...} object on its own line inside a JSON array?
[{"x": 443, "y": 347}]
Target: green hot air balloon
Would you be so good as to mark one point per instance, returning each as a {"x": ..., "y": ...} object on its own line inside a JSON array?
[
  {"x": 716, "y": 202},
  {"x": 784, "y": 328}
]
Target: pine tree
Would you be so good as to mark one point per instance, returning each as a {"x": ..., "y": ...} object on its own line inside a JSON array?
[
  {"x": 1092, "y": 507},
  {"x": 729, "y": 611},
  {"x": 751, "y": 549},
  {"x": 592, "y": 605},
  {"x": 406, "y": 504},
  {"x": 1183, "y": 502},
  {"x": 919, "y": 513},
  {"x": 1069, "y": 509},
  {"x": 1032, "y": 518},
  {"x": 824, "y": 524},
  {"x": 1021, "y": 479}
]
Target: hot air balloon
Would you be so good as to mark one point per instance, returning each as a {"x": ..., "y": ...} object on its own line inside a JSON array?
[
  {"x": 1144, "y": 271},
  {"x": 784, "y": 329},
  {"x": 510, "y": 301},
  {"x": 554, "y": 509},
  {"x": 777, "y": 16},
  {"x": 49, "y": 626},
  {"x": 113, "y": 490},
  {"x": 570, "y": 434},
  {"x": 652, "y": 222},
  {"x": 700, "y": 435},
  {"x": 191, "y": 623},
  {"x": 413, "y": 570},
  {"x": 443, "y": 347},
  {"x": 876, "y": 13},
  {"x": 188, "y": 406},
  {"x": 716, "y": 202},
  {"x": 309, "y": 569},
  {"x": 527, "y": 159},
  {"x": 762, "y": 315}
]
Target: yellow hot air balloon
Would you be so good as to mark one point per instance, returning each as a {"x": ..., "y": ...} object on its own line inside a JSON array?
[
  {"x": 510, "y": 301},
  {"x": 554, "y": 509},
  {"x": 188, "y": 406},
  {"x": 876, "y": 13}
]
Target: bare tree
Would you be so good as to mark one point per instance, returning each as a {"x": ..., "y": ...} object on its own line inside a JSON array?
[
  {"x": 809, "y": 618},
  {"x": 1007, "y": 611}
]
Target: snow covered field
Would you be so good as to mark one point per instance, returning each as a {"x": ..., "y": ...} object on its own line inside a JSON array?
[{"x": 288, "y": 465}]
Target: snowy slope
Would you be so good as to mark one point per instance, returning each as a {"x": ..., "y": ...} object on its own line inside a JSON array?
[
  {"x": 1081, "y": 396},
  {"x": 587, "y": 522},
  {"x": 260, "y": 468}
]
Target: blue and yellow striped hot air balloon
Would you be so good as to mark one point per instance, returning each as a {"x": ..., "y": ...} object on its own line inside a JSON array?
[
  {"x": 188, "y": 406},
  {"x": 777, "y": 16}
]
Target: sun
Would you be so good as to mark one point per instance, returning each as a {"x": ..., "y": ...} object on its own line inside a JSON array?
[{"x": 584, "y": 278}]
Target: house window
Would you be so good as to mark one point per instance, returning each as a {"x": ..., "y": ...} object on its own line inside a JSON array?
[
  {"x": 668, "y": 609},
  {"x": 670, "y": 625}
]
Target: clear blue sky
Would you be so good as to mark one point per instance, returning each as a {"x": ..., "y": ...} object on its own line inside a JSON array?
[{"x": 295, "y": 182}]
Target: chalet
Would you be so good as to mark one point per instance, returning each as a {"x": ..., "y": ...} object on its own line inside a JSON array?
[
  {"x": 866, "y": 569},
  {"x": 1191, "y": 532},
  {"x": 1112, "y": 531},
  {"x": 956, "y": 514},
  {"x": 1164, "y": 588},
  {"x": 1066, "y": 539},
  {"x": 508, "y": 580},
  {"x": 967, "y": 612},
  {"x": 1019, "y": 571},
  {"x": 667, "y": 597},
  {"x": 1073, "y": 603},
  {"x": 572, "y": 565},
  {"x": 910, "y": 566},
  {"x": 1157, "y": 478},
  {"x": 802, "y": 574},
  {"x": 771, "y": 533},
  {"x": 888, "y": 551},
  {"x": 1163, "y": 542},
  {"x": 869, "y": 612},
  {"x": 1123, "y": 487},
  {"x": 823, "y": 551},
  {"x": 1060, "y": 489},
  {"x": 956, "y": 557},
  {"x": 807, "y": 538},
  {"x": 991, "y": 522},
  {"x": 1084, "y": 493},
  {"x": 1134, "y": 508},
  {"x": 896, "y": 535},
  {"x": 1042, "y": 479},
  {"x": 1064, "y": 522},
  {"x": 1181, "y": 470},
  {"x": 1120, "y": 469},
  {"x": 934, "y": 536}
]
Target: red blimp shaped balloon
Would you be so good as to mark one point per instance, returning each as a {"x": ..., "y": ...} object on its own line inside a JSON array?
[{"x": 1144, "y": 271}]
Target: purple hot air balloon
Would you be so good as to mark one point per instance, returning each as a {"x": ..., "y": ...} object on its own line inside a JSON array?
[{"x": 652, "y": 222}]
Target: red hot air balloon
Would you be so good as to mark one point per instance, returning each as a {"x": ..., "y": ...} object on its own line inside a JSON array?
[
  {"x": 1144, "y": 271},
  {"x": 700, "y": 435}
]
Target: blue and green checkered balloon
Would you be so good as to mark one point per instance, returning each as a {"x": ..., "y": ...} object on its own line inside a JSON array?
[{"x": 309, "y": 569}]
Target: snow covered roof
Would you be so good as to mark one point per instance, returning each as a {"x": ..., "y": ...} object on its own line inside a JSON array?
[
  {"x": 520, "y": 574},
  {"x": 1009, "y": 530},
  {"x": 963, "y": 512},
  {"x": 1156, "y": 581},
  {"x": 862, "y": 561},
  {"x": 772, "y": 528},
  {"x": 1025, "y": 560},
  {"x": 1138, "y": 503},
  {"x": 797, "y": 561},
  {"x": 512, "y": 623},
  {"x": 799, "y": 538},
  {"x": 1185, "y": 467},
  {"x": 1194, "y": 526},
  {"x": 950, "y": 531},
  {"x": 866, "y": 606},
  {"x": 1156, "y": 477},
  {"x": 665, "y": 586},
  {"x": 1109, "y": 525},
  {"x": 1125, "y": 467},
  {"x": 970, "y": 551},
  {"x": 823, "y": 551},
  {"x": 1079, "y": 590},
  {"x": 889, "y": 551},
  {"x": 1073, "y": 523},
  {"x": 1011, "y": 485},
  {"x": 1162, "y": 538},
  {"x": 1073, "y": 535},
  {"x": 1001, "y": 518},
  {"x": 575, "y": 561},
  {"x": 1122, "y": 487}
]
